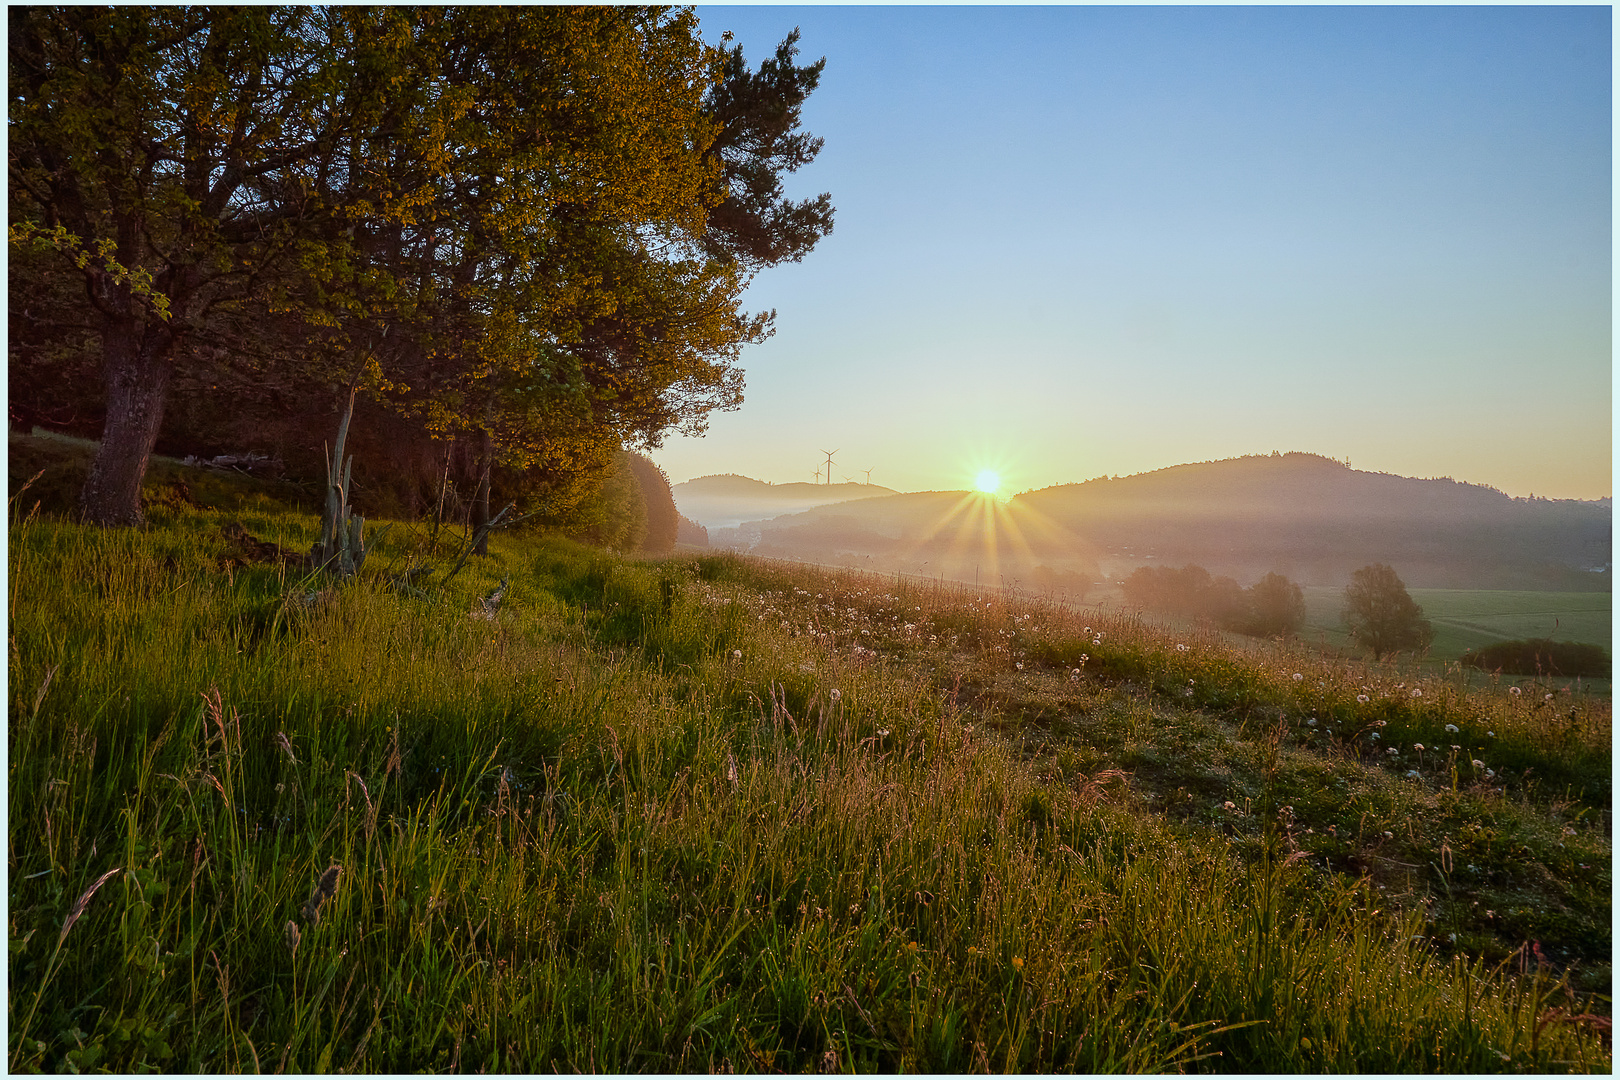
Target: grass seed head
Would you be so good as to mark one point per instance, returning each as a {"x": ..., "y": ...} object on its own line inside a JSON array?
[
  {"x": 325, "y": 889},
  {"x": 83, "y": 902}
]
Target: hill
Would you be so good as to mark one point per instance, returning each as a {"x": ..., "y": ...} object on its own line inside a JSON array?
[
  {"x": 1310, "y": 517},
  {"x": 726, "y": 499},
  {"x": 1317, "y": 520}
]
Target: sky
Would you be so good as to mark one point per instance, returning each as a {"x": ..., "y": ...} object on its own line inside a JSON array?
[{"x": 1084, "y": 241}]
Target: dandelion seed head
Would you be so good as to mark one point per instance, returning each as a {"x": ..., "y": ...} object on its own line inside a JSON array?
[
  {"x": 1363, "y": 698},
  {"x": 1298, "y": 676},
  {"x": 1452, "y": 728},
  {"x": 835, "y": 694}
]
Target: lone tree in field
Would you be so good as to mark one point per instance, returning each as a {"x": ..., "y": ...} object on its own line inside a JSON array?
[{"x": 1381, "y": 615}]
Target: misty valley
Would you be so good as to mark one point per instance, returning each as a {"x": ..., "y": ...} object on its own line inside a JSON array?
[{"x": 1485, "y": 566}]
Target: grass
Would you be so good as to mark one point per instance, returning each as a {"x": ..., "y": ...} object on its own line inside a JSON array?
[
  {"x": 1466, "y": 619},
  {"x": 720, "y": 814}
]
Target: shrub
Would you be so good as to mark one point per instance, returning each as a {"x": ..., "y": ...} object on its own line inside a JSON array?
[{"x": 1541, "y": 656}]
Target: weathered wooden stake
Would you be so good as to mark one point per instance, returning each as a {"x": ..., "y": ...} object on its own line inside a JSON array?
[{"x": 341, "y": 548}]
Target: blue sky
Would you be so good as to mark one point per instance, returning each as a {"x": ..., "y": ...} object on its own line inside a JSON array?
[{"x": 1076, "y": 241}]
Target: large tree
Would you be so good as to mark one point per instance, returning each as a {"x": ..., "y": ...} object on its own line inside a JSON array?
[
  {"x": 526, "y": 227},
  {"x": 143, "y": 145},
  {"x": 1381, "y": 615}
]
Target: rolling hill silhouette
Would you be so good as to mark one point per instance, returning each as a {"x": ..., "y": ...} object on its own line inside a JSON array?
[
  {"x": 1310, "y": 517},
  {"x": 726, "y": 499}
]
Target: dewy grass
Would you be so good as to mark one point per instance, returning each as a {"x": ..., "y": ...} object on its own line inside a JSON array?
[{"x": 714, "y": 814}]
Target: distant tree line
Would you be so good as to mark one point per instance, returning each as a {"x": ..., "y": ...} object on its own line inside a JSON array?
[
  {"x": 1379, "y": 613},
  {"x": 523, "y": 232},
  {"x": 1272, "y": 607}
]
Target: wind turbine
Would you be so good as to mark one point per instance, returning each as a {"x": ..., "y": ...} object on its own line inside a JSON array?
[
  {"x": 869, "y": 475},
  {"x": 829, "y": 454}
]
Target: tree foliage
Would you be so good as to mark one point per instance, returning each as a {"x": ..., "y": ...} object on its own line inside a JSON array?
[
  {"x": 1276, "y": 607},
  {"x": 144, "y": 145},
  {"x": 526, "y": 230},
  {"x": 1541, "y": 657},
  {"x": 1188, "y": 590},
  {"x": 663, "y": 520},
  {"x": 1272, "y": 607},
  {"x": 1381, "y": 615}
]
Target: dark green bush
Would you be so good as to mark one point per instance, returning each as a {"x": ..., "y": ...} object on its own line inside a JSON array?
[{"x": 1541, "y": 656}]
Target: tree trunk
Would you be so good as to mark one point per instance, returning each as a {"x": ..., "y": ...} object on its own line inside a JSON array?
[
  {"x": 137, "y": 368},
  {"x": 486, "y": 464}
]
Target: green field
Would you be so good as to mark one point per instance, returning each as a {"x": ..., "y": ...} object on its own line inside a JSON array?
[{"x": 1466, "y": 619}]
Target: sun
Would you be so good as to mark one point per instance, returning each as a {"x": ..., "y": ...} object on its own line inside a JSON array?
[{"x": 988, "y": 482}]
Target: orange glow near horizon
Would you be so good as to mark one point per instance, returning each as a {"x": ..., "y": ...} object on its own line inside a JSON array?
[{"x": 982, "y": 531}]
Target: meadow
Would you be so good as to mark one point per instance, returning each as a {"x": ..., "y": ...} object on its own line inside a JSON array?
[
  {"x": 712, "y": 813},
  {"x": 1466, "y": 619}
]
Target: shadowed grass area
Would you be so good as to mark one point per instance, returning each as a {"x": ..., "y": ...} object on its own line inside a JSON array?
[{"x": 713, "y": 814}]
